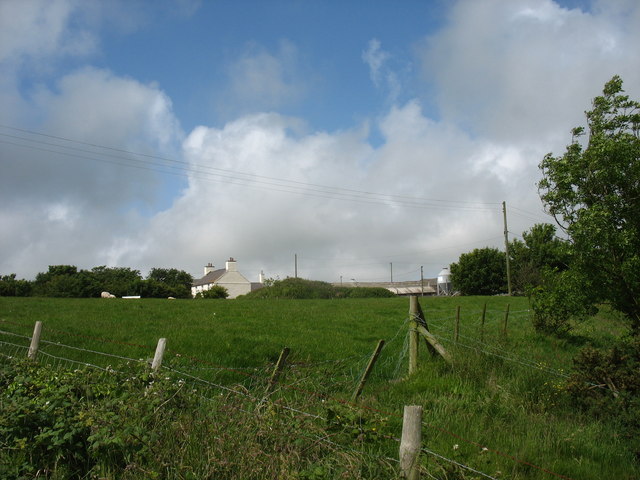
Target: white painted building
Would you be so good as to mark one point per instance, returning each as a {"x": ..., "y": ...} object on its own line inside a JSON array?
[{"x": 228, "y": 277}]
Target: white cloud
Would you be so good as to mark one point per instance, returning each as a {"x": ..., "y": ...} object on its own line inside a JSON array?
[
  {"x": 516, "y": 70},
  {"x": 75, "y": 201},
  {"x": 261, "y": 222},
  {"x": 41, "y": 28}
]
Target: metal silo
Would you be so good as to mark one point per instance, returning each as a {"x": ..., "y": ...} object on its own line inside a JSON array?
[{"x": 444, "y": 282}]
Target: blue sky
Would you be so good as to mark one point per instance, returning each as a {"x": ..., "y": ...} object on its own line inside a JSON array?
[{"x": 353, "y": 134}]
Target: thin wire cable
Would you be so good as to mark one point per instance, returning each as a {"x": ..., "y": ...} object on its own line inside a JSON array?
[
  {"x": 181, "y": 168},
  {"x": 86, "y": 364},
  {"x": 180, "y": 162},
  {"x": 458, "y": 464},
  {"x": 57, "y": 344},
  {"x": 14, "y": 334}
]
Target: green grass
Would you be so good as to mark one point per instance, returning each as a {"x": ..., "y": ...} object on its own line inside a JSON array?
[{"x": 499, "y": 393}]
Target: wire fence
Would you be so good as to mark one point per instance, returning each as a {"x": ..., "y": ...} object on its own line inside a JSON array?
[{"x": 298, "y": 387}]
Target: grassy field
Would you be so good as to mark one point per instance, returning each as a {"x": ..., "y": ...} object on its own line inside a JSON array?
[{"x": 501, "y": 400}]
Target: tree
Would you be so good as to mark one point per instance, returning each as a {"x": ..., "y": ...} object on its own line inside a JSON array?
[
  {"x": 540, "y": 251},
  {"x": 118, "y": 281},
  {"x": 593, "y": 191},
  {"x": 480, "y": 272},
  {"x": 12, "y": 287},
  {"x": 61, "y": 281},
  {"x": 168, "y": 282}
]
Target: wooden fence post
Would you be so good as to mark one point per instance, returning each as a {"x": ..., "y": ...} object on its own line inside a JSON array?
[
  {"x": 413, "y": 333},
  {"x": 35, "y": 341},
  {"x": 456, "y": 329},
  {"x": 506, "y": 318},
  {"x": 157, "y": 358},
  {"x": 367, "y": 371},
  {"x": 277, "y": 369},
  {"x": 411, "y": 442},
  {"x": 484, "y": 312}
]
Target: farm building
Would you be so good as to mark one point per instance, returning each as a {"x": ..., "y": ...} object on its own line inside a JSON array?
[
  {"x": 400, "y": 288},
  {"x": 228, "y": 277}
]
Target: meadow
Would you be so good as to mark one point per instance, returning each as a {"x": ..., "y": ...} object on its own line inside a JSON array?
[{"x": 500, "y": 411}]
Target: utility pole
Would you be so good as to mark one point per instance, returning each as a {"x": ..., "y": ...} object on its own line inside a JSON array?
[
  {"x": 295, "y": 265},
  {"x": 391, "y": 264},
  {"x": 506, "y": 246},
  {"x": 421, "y": 282}
]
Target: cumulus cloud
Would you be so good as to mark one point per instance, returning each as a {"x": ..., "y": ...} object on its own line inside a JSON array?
[
  {"x": 286, "y": 205},
  {"x": 527, "y": 69},
  {"x": 69, "y": 201}
]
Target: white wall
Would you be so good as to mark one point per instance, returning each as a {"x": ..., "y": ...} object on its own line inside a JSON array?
[{"x": 235, "y": 284}]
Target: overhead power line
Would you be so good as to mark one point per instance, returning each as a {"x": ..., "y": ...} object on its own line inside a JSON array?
[{"x": 105, "y": 154}]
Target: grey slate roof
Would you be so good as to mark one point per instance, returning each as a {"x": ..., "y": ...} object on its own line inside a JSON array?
[{"x": 210, "y": 277}]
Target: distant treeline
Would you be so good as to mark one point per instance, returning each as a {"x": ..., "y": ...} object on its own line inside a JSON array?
[{"x": 67, "y": 281}]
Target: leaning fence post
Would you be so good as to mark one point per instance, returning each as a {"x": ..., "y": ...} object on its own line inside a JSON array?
[
  {"x": 413, "y": 333},
  {"x": 367, "y": 371},
  {"x": 456, "y": 330},
  {"x": 157, "y": 358},
  {"x": 278, "y": 368},
  {"x": 506, "y": 317},
  {"x": 35, "y": 341},
  {"x": 411, "y": 442}
]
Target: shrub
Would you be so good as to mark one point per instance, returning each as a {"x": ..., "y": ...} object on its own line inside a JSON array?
[
  {"x": 606, "y": 384},
  {"x": 299, "y": 288},
  {"x": 559, "y": 303},
  {"x": 216, "y": 291},
  {"x": 363, "y": 292}
]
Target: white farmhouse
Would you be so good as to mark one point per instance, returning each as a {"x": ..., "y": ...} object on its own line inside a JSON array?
[{"x": 228, "y": 277}]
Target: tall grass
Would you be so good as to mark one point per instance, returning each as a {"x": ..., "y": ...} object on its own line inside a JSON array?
[{"x": 502, "y": 399}]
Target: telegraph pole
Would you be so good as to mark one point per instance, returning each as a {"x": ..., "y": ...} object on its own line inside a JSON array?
[
  {"x": 391, "y": 265},
  {"x": 421, "y": 282},
  {"x": 506, "y": 246},
  {"x": 295, "y": 265}
]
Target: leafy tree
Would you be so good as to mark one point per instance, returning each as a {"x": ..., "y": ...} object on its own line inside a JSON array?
[
  {"x": 167, "y": 282},
  {"x": 61, "y": 281},
  {"x": 116, "y": 280},
  {"x": 593, "y": 191},
  {"x": 480, "y": 272},
  {"x": 540, "y": 251},
  {"x": 11, "y": 287}
]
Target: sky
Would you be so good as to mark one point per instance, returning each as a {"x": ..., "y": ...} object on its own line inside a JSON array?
[{"x": 364, "y": 139}]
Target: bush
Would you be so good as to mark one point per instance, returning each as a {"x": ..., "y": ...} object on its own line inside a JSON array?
[
  {"x": 606, "y": 383},
  {"x": 559, "y": 303},
  {"x": 79, "y": 422},
  {"x": 363, "y": 292},
  {"x": 131, "y": 424},
  {"x": 299, "y": 288},
  {"x": 216, "y": 291}
]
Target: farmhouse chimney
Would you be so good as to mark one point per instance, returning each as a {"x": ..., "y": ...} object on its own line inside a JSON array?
[
  {"x": 231, "y": 265},
  {"x": 208, "y": 268}
]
